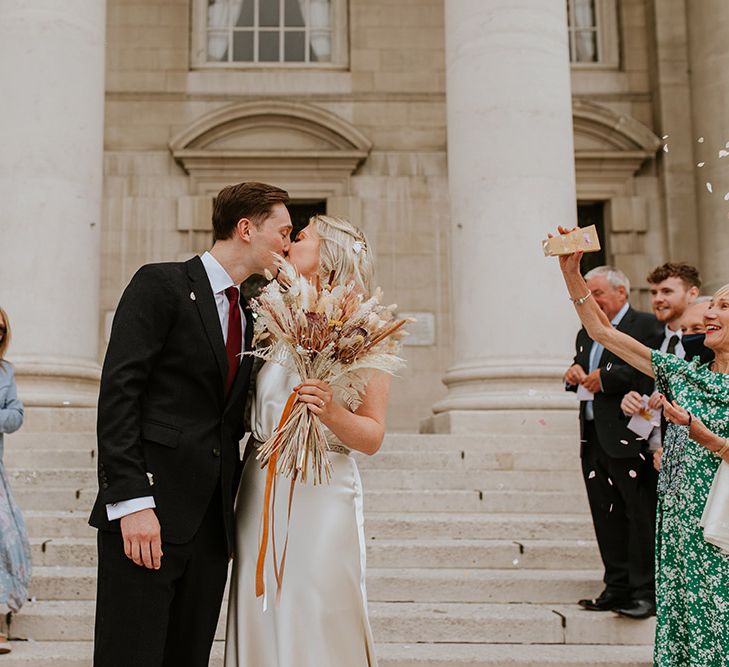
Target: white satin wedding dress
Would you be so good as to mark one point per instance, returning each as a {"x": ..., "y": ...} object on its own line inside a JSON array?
[{"x": 322, "y": 618}]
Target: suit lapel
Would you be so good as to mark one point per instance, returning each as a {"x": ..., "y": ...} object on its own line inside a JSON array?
[{"x": 205, "y": 302}]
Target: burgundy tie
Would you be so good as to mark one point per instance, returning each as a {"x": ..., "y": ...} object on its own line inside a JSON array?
[{"x": 234, "y": 342}]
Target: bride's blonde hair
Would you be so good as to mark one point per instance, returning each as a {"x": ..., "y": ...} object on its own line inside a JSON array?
[{"x": 344, "y": 253}]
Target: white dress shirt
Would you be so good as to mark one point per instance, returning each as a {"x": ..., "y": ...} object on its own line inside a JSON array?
[
  {"x": 668, "y": 334},
  {"x": 219, "y": 282}
]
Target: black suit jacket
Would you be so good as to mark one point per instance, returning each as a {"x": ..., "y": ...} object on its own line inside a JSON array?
[
  {"x": 163, "y": 409},
  {"x": 617, "y": 379}
]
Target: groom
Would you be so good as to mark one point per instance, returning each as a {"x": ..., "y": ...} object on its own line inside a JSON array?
[{"x": 170, "y": 418}]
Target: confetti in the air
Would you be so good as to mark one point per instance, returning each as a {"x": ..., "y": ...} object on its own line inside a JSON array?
[
  {"x": 701, "y": 164},
  {"x": 709, "y": 187},
  {"x": 723, "y": 153},
  {"x": 665, "y": 136},
  {"x": 591, "y": 475},
  {"x": 611, "y": 507},
  {"x": 700, "y": 140},
  {"x": 632, "y": 473},
  {"x": 623, "y": 442},
  {"x": 610, "y": 482},
  {"x": 515, "y": 561},
  {"x": 641, "y": 456},
  {"x": 726, "y": 197},
  {"x": 665, "y": 148}
]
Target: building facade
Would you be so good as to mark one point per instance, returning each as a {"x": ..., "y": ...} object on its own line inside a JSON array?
[{"x": 456, "y": 133}]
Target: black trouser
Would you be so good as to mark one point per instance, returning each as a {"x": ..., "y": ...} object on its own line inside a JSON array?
[
  {"x": 622, "y": 495},
  {"x": 165, "y": 617}
]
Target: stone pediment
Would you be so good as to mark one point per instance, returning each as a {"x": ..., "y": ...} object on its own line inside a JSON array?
[
  {"x": 269, "y": 139},
  {"x": 609, "y": 148}
]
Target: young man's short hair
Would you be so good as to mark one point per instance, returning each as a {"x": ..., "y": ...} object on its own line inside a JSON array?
[
  {"x": 244, "y": 200},
  {"x": 686, "y": 272}
]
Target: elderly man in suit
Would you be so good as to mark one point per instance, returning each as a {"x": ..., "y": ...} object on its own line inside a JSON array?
[{"x": 613, "y": 458}]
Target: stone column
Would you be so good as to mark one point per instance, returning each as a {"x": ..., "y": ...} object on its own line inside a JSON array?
[
  {"x": 51, "y": 168},
  {"x": 512, "y": 179},
  {"x": 708, "y": 23}
]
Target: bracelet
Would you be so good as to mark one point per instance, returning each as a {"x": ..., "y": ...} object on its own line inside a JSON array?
[
  {"x": 722, "y": 450},
  {"x": 582, "y": 299}
]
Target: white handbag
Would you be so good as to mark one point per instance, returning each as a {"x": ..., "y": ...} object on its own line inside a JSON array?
[{"x": 715, "y": 519}]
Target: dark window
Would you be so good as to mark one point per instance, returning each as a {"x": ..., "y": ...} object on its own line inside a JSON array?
[{"x": 593, "y": 214}]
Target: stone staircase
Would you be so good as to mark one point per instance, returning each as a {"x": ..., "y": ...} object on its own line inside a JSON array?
[{"x": 478, "y": 547}]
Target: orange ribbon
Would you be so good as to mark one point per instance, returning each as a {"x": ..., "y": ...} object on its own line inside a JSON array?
[{"x": 269, "y": 500}]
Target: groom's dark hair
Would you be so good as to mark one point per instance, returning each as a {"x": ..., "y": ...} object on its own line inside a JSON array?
[{"x": 244, "y": 200}]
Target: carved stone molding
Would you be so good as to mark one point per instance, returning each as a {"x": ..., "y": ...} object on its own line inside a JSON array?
[
  {"x": 610, "y": 148},
  {"x": 307, "y": 150}
]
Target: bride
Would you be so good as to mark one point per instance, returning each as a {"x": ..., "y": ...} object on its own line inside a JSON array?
[{"x": 321, "y": 620}]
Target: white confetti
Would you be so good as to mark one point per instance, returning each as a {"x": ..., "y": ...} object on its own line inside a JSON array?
[
  {"x": 726, "y": 197},
  {"x": 610, "y": 482},
  {"x": 726, "y": 145},
  {"x": 665, "y": 148},
  {"x": 623, "y": 442},
  {"x": 723, "y": 153},
  {"x": 700, "y": 140},
  {"x": 611, "y": 507},
  {"x": 641, "y": 455},
  {"x": 701, "y": 164},
  {"x": 665, "y": 136},
  {"x": 515, "y": 561},
  {"x": 632, "y": 473},
  {"x": 591, "y": 475},
  {"x": 709, "y": 187}
]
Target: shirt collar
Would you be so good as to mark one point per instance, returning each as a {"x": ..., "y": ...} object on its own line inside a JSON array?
[
  {"x": 621, "y": 313},
  {"x": 217, "y": 275},
  {"x": 669, "y": 332}
]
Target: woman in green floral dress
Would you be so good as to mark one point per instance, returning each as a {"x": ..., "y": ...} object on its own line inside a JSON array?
[{"x": 692, "y": 583}]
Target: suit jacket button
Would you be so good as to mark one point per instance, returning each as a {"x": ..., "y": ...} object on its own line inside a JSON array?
[{"x": 216, "y": 452}]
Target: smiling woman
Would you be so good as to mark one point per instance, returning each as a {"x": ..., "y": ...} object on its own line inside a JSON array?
[{"x": 692, "y": 575}]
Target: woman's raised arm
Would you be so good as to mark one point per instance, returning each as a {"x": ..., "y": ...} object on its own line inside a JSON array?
[{"x": 595, "y": 321}]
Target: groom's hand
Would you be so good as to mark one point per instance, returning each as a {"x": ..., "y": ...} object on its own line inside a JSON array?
[{"x": 142, "y": 538}]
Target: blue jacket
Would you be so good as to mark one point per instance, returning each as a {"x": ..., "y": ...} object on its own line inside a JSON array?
[{"x": 11, "y": 409}]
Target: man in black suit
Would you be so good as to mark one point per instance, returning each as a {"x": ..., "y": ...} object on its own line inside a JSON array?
[
  {"x": 674, "y": 288},
  {"x": 170, "y": 418},
  {"x": 614, "y": 463}
]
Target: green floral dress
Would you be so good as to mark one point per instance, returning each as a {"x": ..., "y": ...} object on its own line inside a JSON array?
[{"x": 692, "y": 576}]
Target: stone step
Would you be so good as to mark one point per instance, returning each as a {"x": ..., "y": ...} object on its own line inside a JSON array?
[
  {"x": 453, "y": 500},
  {"x": 492, "y": 480},
  {"x": 50, "y": 458},
  {"x": 437, "y": 553},
  {"x": 30, "y": 441},
  {"x": 384, "y": 525},
  {"x": 65, "y": 419},
  {"x": 455, "y": 460},
  {"x": 65, "y": 499},
  {"x": 393, "y": 460},
  {"x": 74, "y": 478},
  {"x": 511, "y": 655},
  {"x": 78, "y": 654},
  {"x": 390, "y": 585},
  {"x": 376, "y": 500},
  {"x": 30, "y": 437},
  {"x": 399, "y": 622}
]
